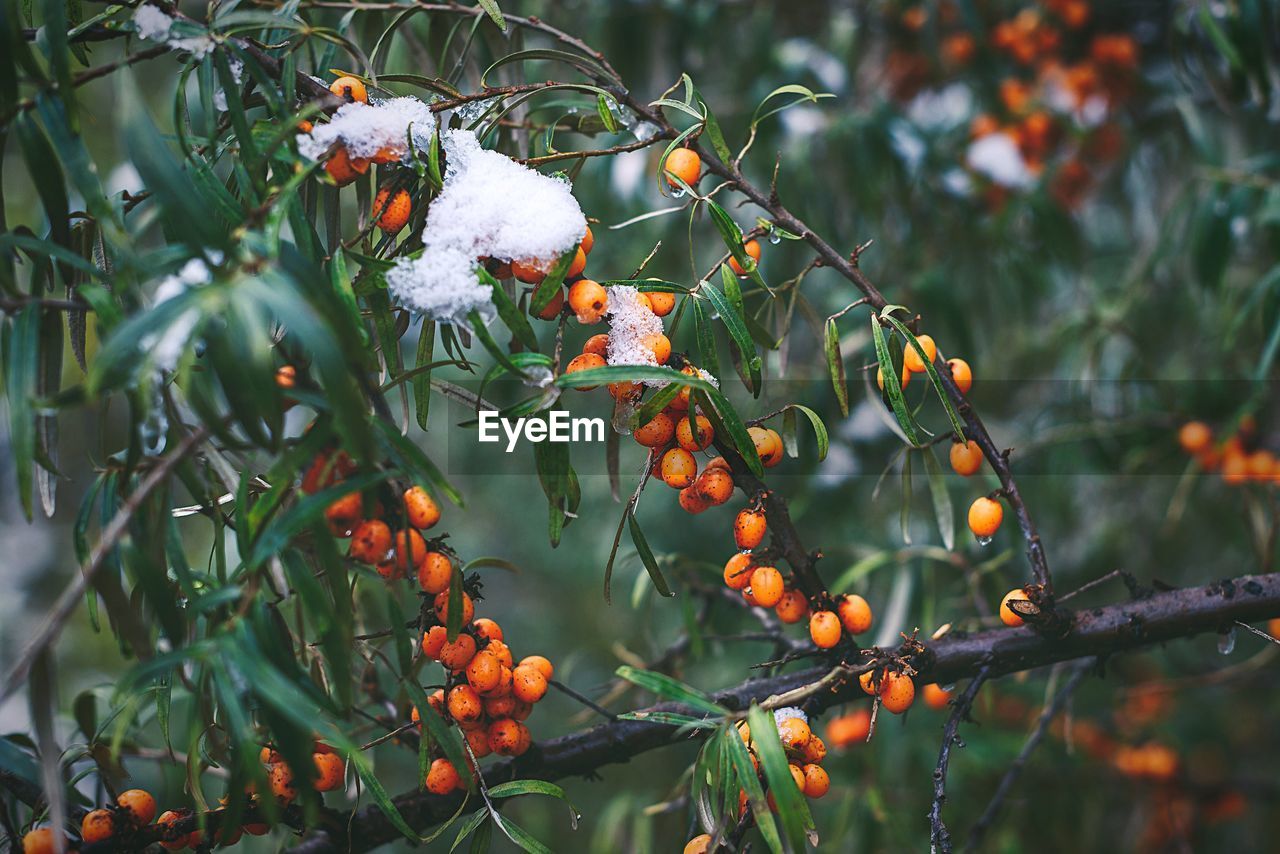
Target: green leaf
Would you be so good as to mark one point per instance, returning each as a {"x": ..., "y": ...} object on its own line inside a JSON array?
[
  {"x": 380, "y": 796},
  {"x": 819, "y": 429},
  {"x": 671, "y": 689},
  {"x": 646, "y": 555},
  {"x": 750, "y": 783},
  {"x": 550, "y": 285},
  {"x": 422, "y": 373},
  {"x": 733, "y": 321},
  {"x": 495, "y": 14},
  {"x": 515, "y": 319},
  {"x": 715, "y": 134},
  {"x": 409, "y": 457},
  {"x": 669, "y": 719},
  {"x": 956, "y": 426},
  {"x": 22, "y": 360},
  {"x": 606, "y": 113},
  {"x": 835, "y": 364},
  {"x": 706, "y": 340},
  {"x": 892, "y": 384},
  {"x": 942, "y": 509}
]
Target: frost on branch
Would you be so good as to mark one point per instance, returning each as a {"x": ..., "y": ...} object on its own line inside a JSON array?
[
  {"x": 154, "y": 25},
  {"x": 490, "y": 206},
  {"x": 631, "y": 324},
  {"x": 368, "y": 129}
]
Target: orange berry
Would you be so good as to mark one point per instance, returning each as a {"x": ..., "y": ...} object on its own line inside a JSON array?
[
  {"x": 499, "y": 707},
  {"x": 657, "y": 432},
  {"x": 585, "y": 362},
  {"x": 850, "y": 729},
  {"x": 588, "y": 241},
  {"x": 659, "y": 345},
  {"x": 139, "y": 804},
  {"x": 966, "y": 458},
  {"x": 42, "y": 841},
  {"x": 442, "y": 608},
  {"x": 281, "y": 779},
  {"x": 797, "y": 776},
  {"x": 553, "y": 308},
  {"x": 392, "y": 211},
  {"x": 529, "y": 272},
  {"x": 749, "y": 529},
  {"x": 715, "y": 485},
  {"x": 484, "y": 671},
  {"x": 420, "y": 508},
  {"x": 343, "y": 169},
  {"x": 170, "y": 817},
  {"x": 540, "y": 663},
  {"x": 268, "y": 756},
  {"x": 679, "y": 468},
  {"x": 410, "y": 550},
  {"x": 680, "y": 402},
  {"x": 692, "y": 501},
  {"x": 330, "y": 771},
  {"x": 433, "y": 641},
  {"x": 795, "y": 733},
  {"x": 737, "y": 571},
  {"x": 577, "y": 265},
  {"x": 624, "y": 390},
  {"x": 97, "y": 825},
  {"x": 588, "y": 300},
  {"x": 487, "y": 629},
  {"x": 370, "y": 541},
  {"x": 935, "y": 697},
  {"x": 349, "y": 89},
  {"x": 911, "y": 359},
  {"x": 855, "y": 614},
  {"x": 684, "y": 164},
  {"x": 500, "y": 649},
  {"x": 777, "y": 449},
  {"x": 528, "y": 683},
  {"x": 1195, "y": 437},
  {"x": 694, "y": 440},
  {"x": 792, "y": 607},
  {"x": 700, "y": 844},
  {"x": 897, "y": 692},
  {"x": 286, "y": 376},
  {"x": 435, "y": 572},
  {"x": 962, "y": 374},
  {"x": 464, "y": 703},
  {"x": 906, "y": 378},
  {"x": 816, "y": 781},
  {"x": 752, "y": 249},
  {"x": 598, "y": 344},
  {"x": 1235, "y": 467},
  {"x": 985, "y": 517},
  {"x": 767, "y": 586},
  {"x": 1008, "y": 616},
  {"x": 766, "y": 441},
  {"x": 505, "y": 681},
  {"x": 442, "y": 777},
  {"x": 478, "y": 741},
  {"x": 815, "y": 750},
  {"x": 1261, "y": 465},
  {"x": 457, "y": 655},
  {"x": 662, "y": 302},
  {"x": 870, "y": 681},
  {"x": 824, "y": 629},
  {"x": 505, "y": 736}
]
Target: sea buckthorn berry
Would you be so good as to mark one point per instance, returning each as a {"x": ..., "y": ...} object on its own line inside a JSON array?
[
  {"x": 797, "y": 776},
  {"x": 286, "y": 376},
  {"x": 752, "y": 249},
  {"x": 281, "y": 779},
  {"x": 911, "y": 358},
  {"x": 349, "y": 89},
  {"x": 815, "y": 750},
  {"x": 370, "y": 541},
  {"x": 719, "y": 463},
  {"x": 420, "y": 508},
  {"x": 855, "y": 614},
  {"x": 505, "y": 736},
  {"x": 850, "y": 729},
  {"x": 1235, "y": 467},
  {"x": 435, "y": 572},
  {"x": 692, "y": 439},
  {"x": 433, "y": 641},
  {"x": 442, "y": 777},
  {"x": 700, "y": 844},
  {"x": 966, "y": 458},
  {"x": 344, "y": 169},
  {"x": 870, "y": 681},
  {"x": 679, "y": 468},
  {"x": 529, "y": 272},
  {"x": 598, "y": 344},
  {"x": 97, "y": 825},
  {"x": 766, "y": 586},
  {"x": 577, "y": 265},
  {"x": 657, "y": 432},
  {"x": 1195, "y": 437},
  {"x": 685, "y": 165},
  {"x": 897, "y": 692},
  {"x": 392, "y": 211},
  {"x": 737, "y": 571},
  {"x": 588, "y": 241},
  {"x": 659, "y": 345},
  {"x": 553, "y": 308},
  {"x": 662, "y": 302},
  {"x": 442, "y": 607},
  {"x": 962, "y": 374},
  {"x": 458, "y": 654},
  {"x": 500, "y": 649},
  {"x": 484, "y": 671},
  {"x": 585, "y": 362},
  {"x": 505, "y": 682},
  {"x": 588, "y": 300},
  {"x": 528, "y": 684},
  {"x": 680, "y": 402},
  {"x": 906, "y": 378},
  {"x": 464, "y": 702},
  {"x": 41, "y": 841},
  {"x": 935, "y": 697},
  {"x": 410, "y": 550},
  {"x": 540, "y": 663},
  {"x": 522, "y": 710},
  {"x": 792, "y": 607},
  {"x": 499, "y": 707},
  {"x": 776, "y": 450},
  {"x": 715, "y": 485},
  {"x": 478, "y": 741},
  {"x": 1261, "y": 464},
  {"x": 624, "y": 390},
  {"x": 330, "y": 771},
  {"x": 167, "y": 818},
  {"x": 824, "y": 629},
  {"x": 269, "y": 756},
  {"x": 487, "y": 629},
  {"x": 985, "y": 516},
  {"x": 767, "y": 442},
  {"x": 139, "y": 804},
  {"x": 749, "y": 529},
  {"x": 794, "y": 733},
  {"x": 1008, "y": 616},
  {"x": 816, "y": 781}
]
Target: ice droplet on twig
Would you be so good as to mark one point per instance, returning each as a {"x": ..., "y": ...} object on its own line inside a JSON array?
[
  {"x": 1227, "y": 641},
  {"x": 985, "y": 541}
]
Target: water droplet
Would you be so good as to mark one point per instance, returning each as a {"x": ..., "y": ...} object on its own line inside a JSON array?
[
  {"x": 678, "y": 193},
  {"x": 154, "y": 429},
  {"x": 985, "y": 541},
  {"x": 1227, "y": 641},
  {"x": 774, "y": 237},
  {"x": 950, "y": 686}
]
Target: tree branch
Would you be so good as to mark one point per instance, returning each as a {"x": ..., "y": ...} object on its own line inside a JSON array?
[{"x": 939, "y": 836}]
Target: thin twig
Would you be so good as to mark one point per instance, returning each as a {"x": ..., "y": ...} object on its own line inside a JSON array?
[{"x": 939, "y": 836}]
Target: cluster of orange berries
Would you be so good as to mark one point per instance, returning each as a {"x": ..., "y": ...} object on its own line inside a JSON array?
[
  {"x": 1237, "y": 459},
  {"x": 330, "y": 768},
  {"x": 486, "y": 694},
  {"x": 587, "y": 299}
]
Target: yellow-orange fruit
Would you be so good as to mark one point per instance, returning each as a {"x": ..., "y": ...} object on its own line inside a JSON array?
[
  {"x": 911, "y": 358},
  {"x": 792, "y": 607},
  {"x": 281, "y": 779},
  {"x": 657, "y": 432},
  {"x": 350, "y": 89},
  {"x": 906, "y": 378},
  {"x": 343, "y": 168},
  {"x": 442, "y": 777},
  {"x": 855, "y": 614},
  {"x": 435, "y": 571},
  {"x": 97, "y": 825},
  {"x": 500, "y": 649},
  {"x": 700, "y": 844},
  {"x": 41, "y": 841},
  {"x": 484, "y": 671},
  {"x": 286, "y": 376},
  {"x": 588, "y": 241},
  {"x": 577, "y": 265},
  {"x": 797, "y": 775},
  {"x": 683, "y": 164},
  {"x": 694, "y": 434},
  {"x": 870, "y": 681},
  {"x": 330, "y": 771},
  {"x": 392, "y": 211},
  {"x": 849, "y": 729},
  {"x": 767, "y": 443},
  {"x": 794, "y": 733},
  {"x": 659, "y": 345},
  {"x": 529, "y": 272},
  {"x": 962, "y": 374},
  {"x": 442, "y": 607},
  {"x": 966, "y": 458},
  {"x": 506, "y": 736},
  {"x": 680, "y": 402},
  {"x": 752, "y": 249},
  {"x": 420, "y": 508},
  {"x": 553, "y": 308},
  {"x": 458, "y": 654},
  {"x": 662, "y": 302},
  {"x": 528, "y": 683},
  {"x": 776, "y": 450},
  {"x": 598, "y": 344},
  {"x": 815, "y": 750},
  {"x": 505, "y": 682},
  {"x": 1195, "y": 437},
  {"x": 487, "y": 629},
  {"x": 464, "y": 703},
  {"x": 897, "y": 692},
  {"x": 540, "y": 663},
  {"x": 715, "y": 485},
  {"x": 410, "y": 550},
  {"x": 370, "y": 541},
  {"x": 584, "y": 362},
  {"x": 935, "y": 697},
  {"x": 985, "y": 517},
  {"x": 588, "y": 300},
  {"x": 737, "y": 571},
  {"x": 1007, "y": 615},
  {"x": 824, "y": 629},
  {"x": 679, "y": 468},
  {"x": 139, "y": 805},
  {"x": 816, "y": 781},
  {"x": 766, "y": 586},
  {"x": 478, "y": 741},
  {"x": 749, "y": 529},
  {"x": 433, "y": 641},
  {"x": 167, "y": 818}
]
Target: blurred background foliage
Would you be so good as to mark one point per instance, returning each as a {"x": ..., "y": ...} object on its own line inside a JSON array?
[{"x": 1129, "y": 280}]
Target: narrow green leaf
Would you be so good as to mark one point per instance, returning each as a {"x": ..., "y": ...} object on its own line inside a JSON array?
[
  {"x": 670, "y": 688},
  {"x": 892, "y": 384},
  {"x": 646, "y": 556},
  {"x": 835, "y": 364}
]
